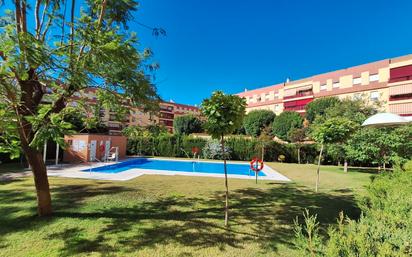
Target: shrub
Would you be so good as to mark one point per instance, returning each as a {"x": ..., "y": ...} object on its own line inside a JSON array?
[
  {"x": 240, "y": 148},
  {"x": 257, "y": 120},
  {"x": 187, "y": 124},
  {"x": 243, "y": 148},
  {"x": 285, "y": 122},
  {"x": 213, "y": 150},
  {"x": 384, "y": 229}
]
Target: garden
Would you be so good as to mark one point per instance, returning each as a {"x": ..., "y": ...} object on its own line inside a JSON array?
[{"x": 351, "y": 189}]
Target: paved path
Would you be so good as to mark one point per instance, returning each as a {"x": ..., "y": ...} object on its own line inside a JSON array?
[
  {"x": 81, "y": 171},
  {"x": 13, "y": 175}
]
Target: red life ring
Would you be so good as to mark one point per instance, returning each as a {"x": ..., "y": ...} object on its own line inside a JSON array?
[{"x": 256, "y": 165}]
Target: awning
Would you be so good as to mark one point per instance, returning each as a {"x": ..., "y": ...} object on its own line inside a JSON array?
[
  {"x": 305, "y": 88},
  {"x": 384, "y": 120},
  {"x": 401, "y": 90},
  {"x": 403, "y": 108},
  {"x": 290, "y": 92}
]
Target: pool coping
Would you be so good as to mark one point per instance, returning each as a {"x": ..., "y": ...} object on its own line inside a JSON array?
[{"x": 80, "y": 171}]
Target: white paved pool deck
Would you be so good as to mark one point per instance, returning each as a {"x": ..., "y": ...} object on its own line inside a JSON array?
[{"x": 77, "y": 171}]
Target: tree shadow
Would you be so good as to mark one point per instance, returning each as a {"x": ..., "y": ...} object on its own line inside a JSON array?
[{"x": 257, "y": 216}]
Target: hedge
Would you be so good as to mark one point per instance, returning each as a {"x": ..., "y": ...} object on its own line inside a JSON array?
[{"x": 241, "y": 148}]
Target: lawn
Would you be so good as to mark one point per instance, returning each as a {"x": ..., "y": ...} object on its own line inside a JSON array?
[{"x": 172, "y": 215}]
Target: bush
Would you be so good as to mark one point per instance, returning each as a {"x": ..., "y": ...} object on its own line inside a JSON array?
[
  {"x": 213, "y": 150},
  {"x": 285, "y": 122},
  {"x": 187, "y": 124},
  {"x": 257, "y": 120},
  {"x": 239, "y": 148},
  {"x": 384, "y": 229}
]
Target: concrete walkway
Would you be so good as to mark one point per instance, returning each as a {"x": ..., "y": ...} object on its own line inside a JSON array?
[{"x": 80, "y": 171}]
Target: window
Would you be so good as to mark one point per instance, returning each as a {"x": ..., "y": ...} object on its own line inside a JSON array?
[
  {"x": 276, "y": 107},
  {"x": 323, "y": 87},
  {"x": 357, "y": 96},
  {"x": 335, "y": 85},
  {"x": 374, "y": 95},
  {"x": 267, "y": 97},
  {"x": 277, "y": 95},
  {"x": 374, "y": 77},
  {"x": 259, "y": 99},
  {"x": 357, "y": 80}
]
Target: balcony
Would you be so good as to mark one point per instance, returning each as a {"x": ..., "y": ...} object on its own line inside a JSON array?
[
  {"x": 300, "y": 94},
  {"x": 295, "y": 108},
  {"x": 400, "y": 97}
]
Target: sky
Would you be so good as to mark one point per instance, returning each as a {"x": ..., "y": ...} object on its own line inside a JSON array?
[{"x": 232, "y": 45}]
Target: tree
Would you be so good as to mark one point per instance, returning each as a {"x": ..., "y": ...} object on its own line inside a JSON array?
[
  {"x": 355, "y": 110},
  {"x": 319, "y": 106},
  {"x": 187, "y": 124},
  {"x": 297, "y": 136},
  {"x": 380, "y": 146},
  {"x": 224, "y": 115},
  {"x": 333, "y": 130},
  {"x": 43, "y": 65},
  {"x": 285, "y": 122},
  {"x": 255, "y": 121}
]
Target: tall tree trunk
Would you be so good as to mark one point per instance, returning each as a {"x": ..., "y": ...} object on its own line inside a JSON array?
[
  {"x": 318, "y": 170},
  {"x": 41, "y": 181},
  {"x": 263, "y": 152},
  {"x": 226, "y": 184},
  {"x": 35, "y": 160},
  {"x": 345, "y": 165}
]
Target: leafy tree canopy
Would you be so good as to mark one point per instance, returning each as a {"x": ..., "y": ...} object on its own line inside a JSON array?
[
  {"x": 380, "y": 145},
  {"x": 285, "y": 122},
  {"x": 333, "y": 130},
  {"x": 355, "y": 110},
  {"x": 187, "y": 124},
  {"x": 224, "y": 113},
  {"x": 255, "y": 121},
  {"x": 297, "y": 135},
  {"x": 52, "y": 50},
  {"x": 319, "y": 107}
]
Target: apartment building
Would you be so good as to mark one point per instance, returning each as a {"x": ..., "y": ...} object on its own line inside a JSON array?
[
  {"x": 166, "y": 115},
  {"x": 388, "y": 82}
]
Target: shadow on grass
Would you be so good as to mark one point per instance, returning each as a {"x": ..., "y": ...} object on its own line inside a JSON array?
[
  {"x": 261, "y": 216},
  {"x": 257, "y": 216}
]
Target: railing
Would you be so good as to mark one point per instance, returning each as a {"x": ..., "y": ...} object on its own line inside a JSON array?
[
  {"x": 299, "y": 94},
  {"x": 295, "y": 108},
  {"x": 400, "y": 97}
]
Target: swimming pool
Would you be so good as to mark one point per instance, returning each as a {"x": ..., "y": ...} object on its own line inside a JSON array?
[{"x": 177, "y": 166}]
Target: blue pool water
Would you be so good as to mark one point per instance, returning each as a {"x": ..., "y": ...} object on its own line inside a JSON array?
[{"x": 169, "y": 165}]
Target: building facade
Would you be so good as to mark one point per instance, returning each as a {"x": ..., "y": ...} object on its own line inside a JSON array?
[
  {"x": 137, "y": 117},
  {"x": 388, "y": 82}
]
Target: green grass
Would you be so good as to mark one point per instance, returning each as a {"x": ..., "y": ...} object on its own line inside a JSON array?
[{"x": 172, "y": 215}]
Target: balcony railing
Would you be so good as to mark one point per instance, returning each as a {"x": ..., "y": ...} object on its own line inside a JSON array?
[
  {"x": 400, "y": 97},
  {"x": 295, "y": 108},
  {"x": 299, "y": 94}
]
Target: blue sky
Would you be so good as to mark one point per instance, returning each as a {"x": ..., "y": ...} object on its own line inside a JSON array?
[{"x": 233, "y": 45}]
